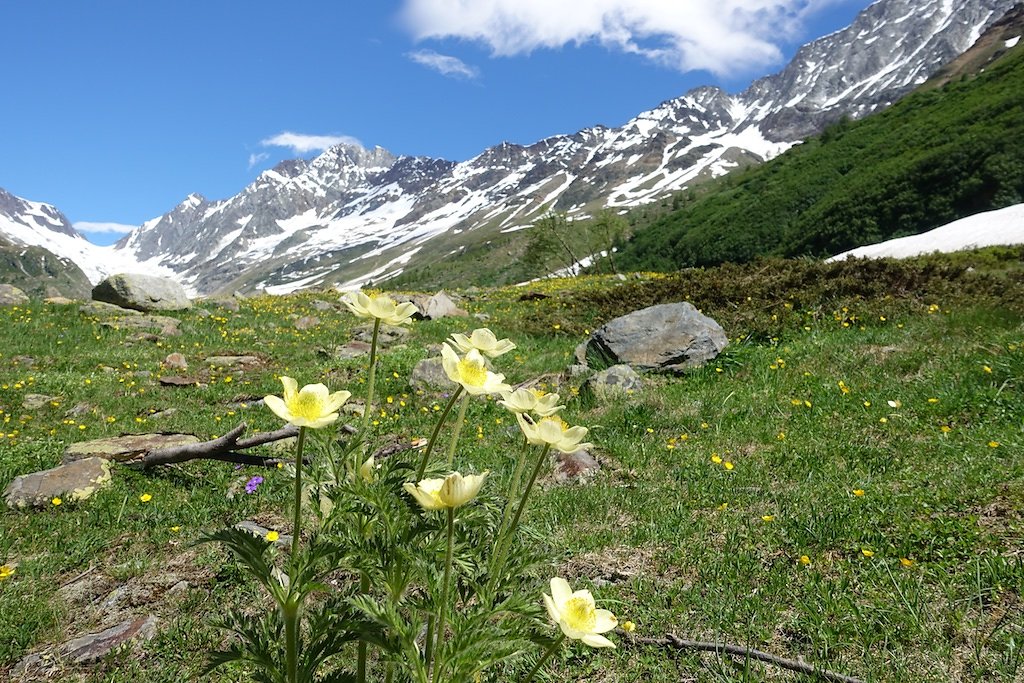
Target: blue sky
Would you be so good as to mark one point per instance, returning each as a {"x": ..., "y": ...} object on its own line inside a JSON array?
[{"x": 114, "y": 111}]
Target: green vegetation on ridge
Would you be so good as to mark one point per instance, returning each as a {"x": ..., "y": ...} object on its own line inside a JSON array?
[{"x": 931, "y": 158}]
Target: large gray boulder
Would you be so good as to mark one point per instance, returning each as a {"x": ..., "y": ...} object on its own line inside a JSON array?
[
  {"x": 12, "y": 296},
  {"x": 666, "y": 338},
  {"x": 142, "y": 292}
]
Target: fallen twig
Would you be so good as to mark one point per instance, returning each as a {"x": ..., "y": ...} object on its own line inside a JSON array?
[
  {"x": 673, "y": 641},
  {"x": 222, "y": 448}
]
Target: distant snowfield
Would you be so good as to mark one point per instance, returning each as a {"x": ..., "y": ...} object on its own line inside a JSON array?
[{"x": 1003, "y": 226}]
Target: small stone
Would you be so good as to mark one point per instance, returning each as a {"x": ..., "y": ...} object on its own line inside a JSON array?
[
  {"x": 321, "y": 305},
  {"x": 306, "y": 322},
  {"x": 429, "y": 374},
  {"x": 80, "y": 409},
  {"x": 94, "y": 646},
  {"x": 386, "y": 335},
  {"x": 163, "y": 414},
  {"x": 177, "y": 381},
  {"x": 59, "y": 301},
  {"x": 24, "y": 361},
  {"x": 231, "y": 361},
  {"x": 482, "y": 317},
  {"x": 226, "y": 303},
  {"x": 101, "y": 309},
  {"x": 176, "y": 361},
  {"x": 74, "y": 481},
  {"x": 618, "y": 380},
  {"x": 283, "y": 540},
  {"x": 36, "y": 401},
  {"x": 441, "y": 306},
  {"x": 353, "y": 349}
]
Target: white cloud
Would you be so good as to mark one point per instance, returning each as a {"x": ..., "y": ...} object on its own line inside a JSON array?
[
  {"x": 257, "y": 157},
  {"x": 445, "y": 65},
  {"x": 112, "y": 228},
  {"x": 722, "y": 36},
  {"x": 303, "y": 144}
]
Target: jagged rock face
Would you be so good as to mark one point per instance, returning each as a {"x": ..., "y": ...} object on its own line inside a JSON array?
[{"x": 352, "y": 214}]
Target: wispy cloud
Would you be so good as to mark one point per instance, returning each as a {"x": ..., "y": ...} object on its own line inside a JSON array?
[
  {"x": 722, "y": 36},
  {"x": 110, "y": 228},
  {"x": 300, "y": 143},
  {"x": 446, "y": 65},
  {"x": 257, "y": 157}
]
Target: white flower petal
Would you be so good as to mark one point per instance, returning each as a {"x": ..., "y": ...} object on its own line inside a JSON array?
[
  {"x": 594, "y": 640},
  {"x": 560, "y": 591}
]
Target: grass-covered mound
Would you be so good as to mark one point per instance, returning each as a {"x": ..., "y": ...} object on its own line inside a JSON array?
[{"x": 843, "y": 484}]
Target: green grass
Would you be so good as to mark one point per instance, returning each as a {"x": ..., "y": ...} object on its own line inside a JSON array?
[{"x": 664, "y": 534}]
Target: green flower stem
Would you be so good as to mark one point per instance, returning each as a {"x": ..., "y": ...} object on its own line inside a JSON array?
[
  {"x": 371, "y": 377},
  {"x": 428, "y": 645},
  {"x": 543, "y": 660},
  {"x": 445, "y": 589},
  {"x": 433, "y": 436},
  {"x": 507, "y": 537},
  {"x": 297, "y": 523},
  {"x": 291, "y": 639},
  {"x": 513, "y": 491},
  {"x": 458, "y": 429},
  {"x": 364, "y": 587}
]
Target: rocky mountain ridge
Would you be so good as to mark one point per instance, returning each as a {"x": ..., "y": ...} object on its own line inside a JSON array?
[{"x": 352, "y": 215}]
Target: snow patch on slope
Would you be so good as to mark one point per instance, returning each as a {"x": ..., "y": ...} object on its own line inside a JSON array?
[{"x": 1000, "y": 227}]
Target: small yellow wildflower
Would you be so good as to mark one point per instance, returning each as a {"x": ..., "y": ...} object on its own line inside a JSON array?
[
  {"x": 272, "y": 536},
  {"x": 146, "y": 497},
  {"x": 176, "y": 528},
  {"x": 56, "y": 500},
  {"x": 858, "y": 492},
  {"x": 767, "y": 518},
  {"x": 729, "y": 466},
  {"x": 906, "y": 562},
  {"x": 945, "y": 429},
  {"x": 933, "y": 400},
  {"x": 715, "y": 458},
  {"x": 987, "y": 369},
  {"x": 628, "y": 626},
  {"x": 804, "y": 560},
  {"x": 7, "y": 571},
  {"x": 867, "y": 553},
  {"x": 993, "y": 444}
]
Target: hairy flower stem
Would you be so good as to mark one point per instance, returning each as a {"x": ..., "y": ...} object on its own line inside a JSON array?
[
  {"x": 433, "y": 436},
  {"x": 297, "y": 523},
  {"x": 291, "y": 639},
  {"x": 364, "y": 587},
  {"x": 445, "y": 589},
  {"x": 505, "y": 540},
  {"x": 543, "y": 660},
  {"x": 371, "y": 377},
  {"x": 458, "y": 429},
  {"x": 513, "y": 491}
]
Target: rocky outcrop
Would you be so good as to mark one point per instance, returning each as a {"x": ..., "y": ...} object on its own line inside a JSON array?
[{"x": 142, "y": 293}]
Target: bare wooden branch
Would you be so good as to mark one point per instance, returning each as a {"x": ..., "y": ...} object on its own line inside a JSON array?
[
  {"x": 222, "y": 448},
  {"x": 673, "y": 641}
]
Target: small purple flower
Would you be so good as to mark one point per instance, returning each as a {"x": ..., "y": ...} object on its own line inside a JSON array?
[{"x": 253, "y": 484}]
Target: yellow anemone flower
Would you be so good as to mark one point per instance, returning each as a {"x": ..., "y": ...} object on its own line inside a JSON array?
[
  {"x": 484, "y": 341},
  {"x": 450, "y": 492},
  {"x": 380, "y": 307},
  {"x": 554, "y": 432},
  {"x": 471, "y": 372},
  {"x": 525, "y": 401},
  {"x": 313, "y": 406},
  {"x": 577, "y": 615}
]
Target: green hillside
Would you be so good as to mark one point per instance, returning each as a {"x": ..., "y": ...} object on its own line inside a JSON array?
[
  {"x": 39, "y": 272},
  {"x": 933, "y": 157}
]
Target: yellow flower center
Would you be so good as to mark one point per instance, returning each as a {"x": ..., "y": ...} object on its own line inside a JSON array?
[
  {"x": 580, "y": 615},
  {"x": 472, "y": 373},
  {"x": 538, "y": 393},
  {"x": 306, "y": 405}
]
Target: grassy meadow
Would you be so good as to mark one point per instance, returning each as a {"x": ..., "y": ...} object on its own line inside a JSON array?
[{"x": 844, "y": 484}]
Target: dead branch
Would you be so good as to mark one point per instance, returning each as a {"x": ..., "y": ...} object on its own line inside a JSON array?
[
  {"x": 673, "y": 641},
  {"x": 222, "y": 448}
]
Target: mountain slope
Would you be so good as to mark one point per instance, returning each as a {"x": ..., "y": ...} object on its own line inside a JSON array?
[
  {"x": 351, "y": 214},
  {"x": 935, "y": 156}
]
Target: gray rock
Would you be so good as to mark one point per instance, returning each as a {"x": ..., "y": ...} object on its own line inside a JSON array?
[
  {"x": 482, "y": 317},
  {"x": 86, "y": 649},
  {"x": 306, "y": 322},
  {"x": 167, "y": 325},
  {"x": 386, "y": 335},
  {"x": 12, "y": 296},
  {"x": 618, "y": 380},
  {"x": 418, "y": 300},
  {"x": 101, "y": 309},
  {"x": 142, "y": 292},
  {"x": 126, "y": 448},
  {"x": 24, "y": 361},
  {"x": 59, "y": 301},
  {"x": 666, "y": 337},
  {"x": 227, "y": 303},
  {"x": 441, "y": 306},
  {"x": 36, "y": 401},
  {"x": 353, "y": 349},
  {"x": 284, "y": 541},
  {"x": 176, "y": 361},
  {"x": 430, "y": 374},
  {"x": 74, "y": 481},
  {"x": 321, "y": 305}
]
